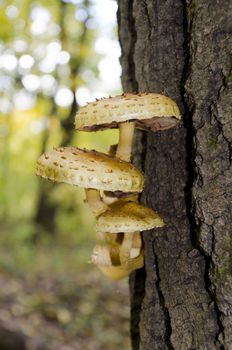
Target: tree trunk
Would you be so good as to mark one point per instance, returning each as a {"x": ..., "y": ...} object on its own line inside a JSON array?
[
  {"x": 182, "y": 299},
  {"x": 45, "y": 216}
]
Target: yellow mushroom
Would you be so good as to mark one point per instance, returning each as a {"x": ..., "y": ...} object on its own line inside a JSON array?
[
  {"x": 106, "y": 259},
  {"x": 119, "y": 272},
  {"x": 106, "y": 254},
  {"x": 119, "y": 221},
  {"x": 92, "y": 170},
  {"x": 123, "y": 216},
  {"x": 118, "y": 243},
  {"x": 147, "y": 111},
  {"x": 130, "y": 218}
]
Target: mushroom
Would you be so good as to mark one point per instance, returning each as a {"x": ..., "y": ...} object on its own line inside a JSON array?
[
  {"x": 105, "y": 257},
  {"x": 129, "y": 218},
  {"x": 147, "y": 111},
  {"x": 119, "y": 272},
  {"x": 119, "y": 221},
  {"x": 123, "y": 216},
  {"x": 106, "y": 254},
  {"x": 115, "y": 243},
  {"x": 91, "y": 170},
  {"x": 108, "y": 257}
]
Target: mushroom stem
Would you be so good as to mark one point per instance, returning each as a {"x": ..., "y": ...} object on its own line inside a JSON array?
[
  {"x": 107, "y": 254},
  {"x": 136, "y": 245},
  {"x": 132, "y": 243},
  {"x": 94, "y": 201},
  {"x": 129, "y": 248},
  {"x": 112, "y": 238},
  {"x": 126, "y": 133}
]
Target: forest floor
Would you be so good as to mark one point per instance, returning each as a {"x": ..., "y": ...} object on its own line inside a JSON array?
[{"x": 75, "y": 309}]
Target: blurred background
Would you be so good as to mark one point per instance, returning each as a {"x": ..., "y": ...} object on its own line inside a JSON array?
[{"x": 54, "y": 57}]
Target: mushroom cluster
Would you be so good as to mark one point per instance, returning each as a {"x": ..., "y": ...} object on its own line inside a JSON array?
[{"x": 111, "y": 182}]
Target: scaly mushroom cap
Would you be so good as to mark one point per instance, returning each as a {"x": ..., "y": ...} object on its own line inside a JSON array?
[
  {"x": 150, "y": 111},
  {"x": 89, "y": 169},
  {"x": 128, "y": 217}
]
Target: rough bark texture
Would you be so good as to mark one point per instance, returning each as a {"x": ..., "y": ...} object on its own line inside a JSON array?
[{"x": 183, "y": 297}]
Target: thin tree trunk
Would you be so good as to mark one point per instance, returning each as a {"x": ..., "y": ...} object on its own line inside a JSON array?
[
  {"x": 182, "y": 298},
  {"x": 45, "y": 216}
]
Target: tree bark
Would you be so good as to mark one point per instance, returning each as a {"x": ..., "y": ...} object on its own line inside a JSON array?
[{"x": 182, "y": 298}]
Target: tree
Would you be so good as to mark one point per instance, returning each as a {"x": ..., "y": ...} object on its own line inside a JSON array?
[
  {"x": 45, "y": 216},
  {"x": 182, "y": 299}
]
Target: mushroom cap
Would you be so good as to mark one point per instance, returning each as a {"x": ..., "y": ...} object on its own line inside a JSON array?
[
  {"x": 89, "y": 169},
  {"x": 125, "y": 217},
  {"x": 150, "y": 111}
]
